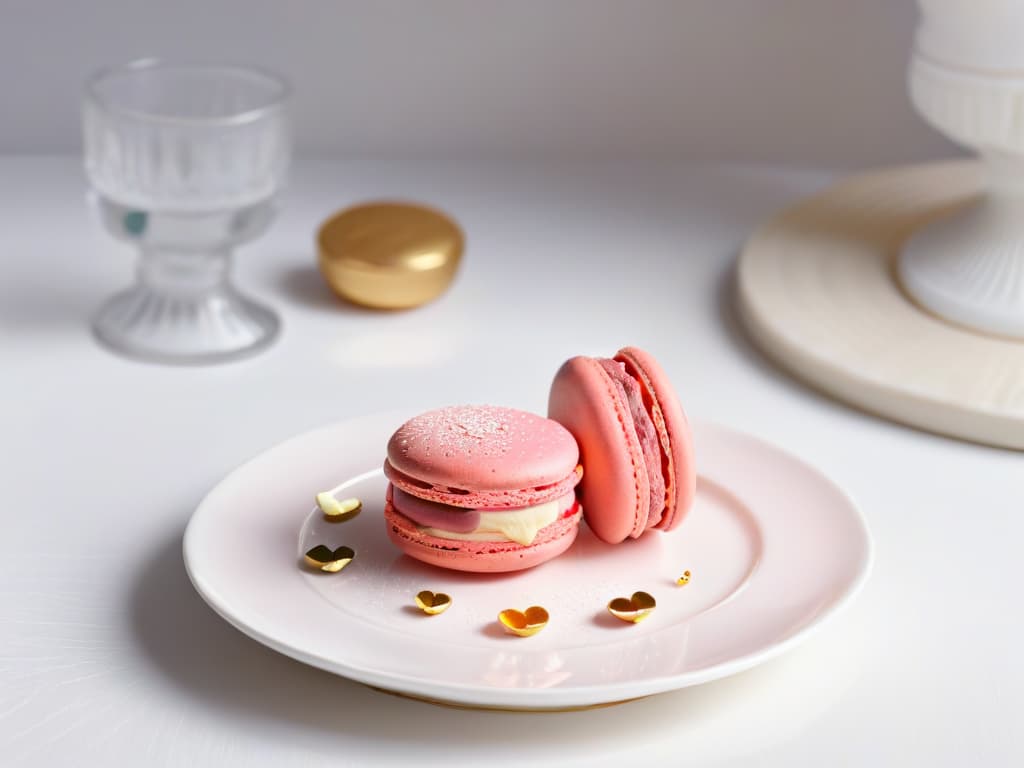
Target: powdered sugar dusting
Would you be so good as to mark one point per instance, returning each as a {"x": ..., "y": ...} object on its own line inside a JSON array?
[
  {"x": 483, "y": 446},
  {"x": 483, "y": 430}
]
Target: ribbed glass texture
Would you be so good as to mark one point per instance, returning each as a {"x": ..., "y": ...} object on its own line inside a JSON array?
[{"x": 185, "y": 137}]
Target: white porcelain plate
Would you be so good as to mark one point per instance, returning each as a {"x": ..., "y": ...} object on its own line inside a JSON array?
[{"x": 773, "y": 548}]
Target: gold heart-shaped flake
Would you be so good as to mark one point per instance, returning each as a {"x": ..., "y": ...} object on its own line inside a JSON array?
[
  {"x": 524, "y": 623},
  {"x": 433, "y": 604},
  {"x": 632, "y": 609},
  {"x": 338, "y": 511},
  {"x": 330, "y": 560}
]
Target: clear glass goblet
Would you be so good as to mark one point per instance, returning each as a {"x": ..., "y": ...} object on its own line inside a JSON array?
[{"x": 186, "y": 162}]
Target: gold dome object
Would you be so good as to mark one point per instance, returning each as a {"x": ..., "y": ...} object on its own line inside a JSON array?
[{"x": 389, "y": 255}]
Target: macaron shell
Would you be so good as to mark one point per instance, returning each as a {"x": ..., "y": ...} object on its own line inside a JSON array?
[
  {"x": 681, "y": 478},
  {"x": 485, "y": 499},
  {"x": 615, "y": 489},
  {"x": 482, "y": 448},
  {"x": 480, "y": 556}
]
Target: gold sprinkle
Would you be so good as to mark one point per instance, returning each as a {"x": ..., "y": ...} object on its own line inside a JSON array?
[
  {"x": 632, "y": 609},
  {"x": 433, "y": 604},
  {"x": 683, "y": 580},
  {"x": 336, "y": 511},
  {"x": 330, "y": 560},
  {"x": 524, "y": 623}
]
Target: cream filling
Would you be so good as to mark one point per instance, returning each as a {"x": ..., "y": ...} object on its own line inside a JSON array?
[{"x": 520, "y": 526}]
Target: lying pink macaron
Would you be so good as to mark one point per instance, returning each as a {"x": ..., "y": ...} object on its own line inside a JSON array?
[
  {"x": 634, "y": 442},
  {"x": 482, "y": 488}
]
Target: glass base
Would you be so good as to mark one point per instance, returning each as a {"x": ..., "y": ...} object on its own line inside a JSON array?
[
  {"x": 216, "y": 326},
  {"x": 968, "y": 266}
]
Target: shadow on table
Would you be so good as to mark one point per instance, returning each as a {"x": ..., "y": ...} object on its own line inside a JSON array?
[
  {"x": 727, "y": 295},
  {"x": 303, "y": 284},
  {"x": 729, "y": 316},
  {"x": 215, "y": 667}
]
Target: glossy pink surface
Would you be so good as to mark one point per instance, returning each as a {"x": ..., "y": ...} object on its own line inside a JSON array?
[
  {"x": 590, "y": 398},
  {"x": 614, "y": 490}
]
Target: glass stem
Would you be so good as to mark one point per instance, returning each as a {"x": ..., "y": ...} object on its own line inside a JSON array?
[{"x": 184, "y": 274}]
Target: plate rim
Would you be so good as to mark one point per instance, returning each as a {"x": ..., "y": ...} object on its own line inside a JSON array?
[{"x": 534, "y": 699}]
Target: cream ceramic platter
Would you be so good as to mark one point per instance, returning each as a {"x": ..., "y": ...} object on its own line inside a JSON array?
[
  {"x": 773, "y": 546},
  {"x": 818, "y": 293}
]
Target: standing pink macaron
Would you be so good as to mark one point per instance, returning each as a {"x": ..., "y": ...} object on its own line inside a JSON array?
[
  {"x": 482, "y": 488},
  {"x": 634, "y": 441}
]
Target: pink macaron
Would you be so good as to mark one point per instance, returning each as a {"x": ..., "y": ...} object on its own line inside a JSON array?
[
  {"x": 482, "y": 488},
  {"x": 634, "y": 440}
]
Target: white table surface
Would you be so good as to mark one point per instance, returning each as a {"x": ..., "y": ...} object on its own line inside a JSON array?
[{"x": 108, "y": 656}]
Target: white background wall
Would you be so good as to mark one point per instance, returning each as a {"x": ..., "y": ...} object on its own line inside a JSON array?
[{"x": 773, "y": 81}]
